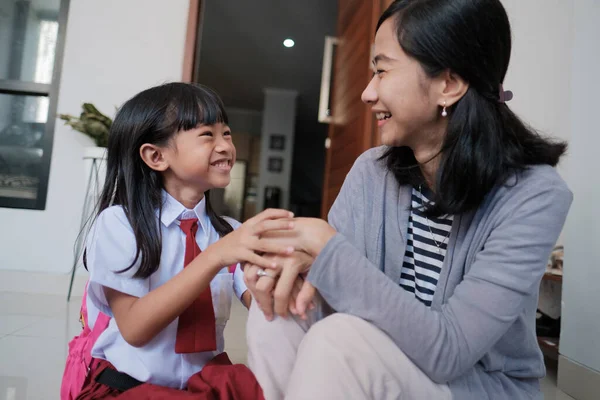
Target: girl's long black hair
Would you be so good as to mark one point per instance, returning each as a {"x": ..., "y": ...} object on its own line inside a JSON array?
[
  {"x": 153, "y": 116},
  {"x": 485, "y": 142}
]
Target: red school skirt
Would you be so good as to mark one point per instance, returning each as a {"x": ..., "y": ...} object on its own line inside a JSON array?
[{"x": 218, "y": 380}]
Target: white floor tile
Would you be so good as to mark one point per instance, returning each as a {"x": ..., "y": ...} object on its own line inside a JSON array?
[
  {"x": 34, "y": 304},
  {"x": 51, "y": 327},
  {"x": 34, "y": 366},
  {"x": 13, "y": 388},
  {"x": 548, "y": 384},
  {"x": 12, "y": 323}
]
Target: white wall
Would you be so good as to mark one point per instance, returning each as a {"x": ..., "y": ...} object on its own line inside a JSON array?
[
  {"x": 539, "y": 75},
  {"x": 553, "y": 75},
  {"x": 540, "y": 68},
  {"x": 279, "y": 118},
  {"x": 580, "y": 333},
  {"x": 113, "y": 50}
]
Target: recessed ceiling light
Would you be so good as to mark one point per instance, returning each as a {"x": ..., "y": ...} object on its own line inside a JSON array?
[{"x": 288, "y": 43}]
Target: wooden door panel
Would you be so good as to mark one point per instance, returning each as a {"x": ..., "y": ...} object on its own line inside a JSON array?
[{"x": 353, "y": 128}]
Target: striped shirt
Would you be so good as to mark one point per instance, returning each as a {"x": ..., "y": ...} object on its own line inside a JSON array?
[{"x": 425, "y": 248}]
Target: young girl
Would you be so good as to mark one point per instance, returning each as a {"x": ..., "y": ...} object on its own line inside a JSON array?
[{"x": 168, "y": 146}]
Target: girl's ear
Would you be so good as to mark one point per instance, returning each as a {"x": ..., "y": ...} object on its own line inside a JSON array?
[{"x": 153, "y": 156}]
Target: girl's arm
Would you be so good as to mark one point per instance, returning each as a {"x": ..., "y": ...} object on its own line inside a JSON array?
[
  {"x": 141, "y": 318},
  {"x": 240, "y": 290},
  {"x": 247, "y": 299}
]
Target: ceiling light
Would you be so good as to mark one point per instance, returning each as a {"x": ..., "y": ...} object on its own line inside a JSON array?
[{"x": 288, "y": 43}]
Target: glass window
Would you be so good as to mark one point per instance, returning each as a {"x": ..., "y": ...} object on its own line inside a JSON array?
[
  {"x": 21, "y": 145},
  {"x": 28, "y": 35},
  {"x": 30, "y": 39}
]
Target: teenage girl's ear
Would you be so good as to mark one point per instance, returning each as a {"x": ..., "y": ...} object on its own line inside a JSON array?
[
  {"x": 452, "y": 88},
  {"x": 153, "y": 156}
]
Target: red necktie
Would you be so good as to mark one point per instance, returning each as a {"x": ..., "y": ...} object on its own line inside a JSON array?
[{"x": 196, "y": 331}]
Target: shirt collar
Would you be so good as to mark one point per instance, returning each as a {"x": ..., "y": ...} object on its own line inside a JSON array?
[{"x": 173, "y": 209}]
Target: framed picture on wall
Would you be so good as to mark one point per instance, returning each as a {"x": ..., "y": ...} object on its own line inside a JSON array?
[
  {"x": 275, "y": 164},
  {"x": 277, "y": 142}
]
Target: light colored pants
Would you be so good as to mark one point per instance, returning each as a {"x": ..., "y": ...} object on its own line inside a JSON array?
[{"x": 338, "y": 357}]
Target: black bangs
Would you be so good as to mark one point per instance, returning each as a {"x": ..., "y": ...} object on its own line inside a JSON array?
[{"x": 193, "y": 105}]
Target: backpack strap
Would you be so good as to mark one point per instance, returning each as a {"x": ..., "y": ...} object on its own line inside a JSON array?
[{"x": 100, "y": 325}]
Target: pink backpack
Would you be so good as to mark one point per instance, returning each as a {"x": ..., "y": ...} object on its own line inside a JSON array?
[{"x": 79, "y": 359}]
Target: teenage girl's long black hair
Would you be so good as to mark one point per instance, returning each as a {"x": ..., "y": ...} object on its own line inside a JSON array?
[
  {"x": 153, "y": 116},
  {"x": 485, "y": 142}
]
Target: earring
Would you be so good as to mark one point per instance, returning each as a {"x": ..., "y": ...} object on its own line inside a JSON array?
[{"x": 444, "y": 112}]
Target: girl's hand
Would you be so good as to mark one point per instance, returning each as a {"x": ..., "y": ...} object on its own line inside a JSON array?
[
  {"x": 261, "y": 288},
  {"x": 246, "y": 243}
]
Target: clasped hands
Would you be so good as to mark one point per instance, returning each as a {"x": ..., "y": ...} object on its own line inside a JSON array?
[{"x": 282, "y": 289}]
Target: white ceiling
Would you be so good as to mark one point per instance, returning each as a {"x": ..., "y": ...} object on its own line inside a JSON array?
[{"x": 242, "y": 49}]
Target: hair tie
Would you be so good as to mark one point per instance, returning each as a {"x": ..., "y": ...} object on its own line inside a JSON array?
[{"x": 504, "y": 95}]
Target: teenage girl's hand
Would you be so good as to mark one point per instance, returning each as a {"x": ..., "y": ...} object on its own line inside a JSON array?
[
  {"x": 304, "y": 300},
  {"x": 246, "y": 245},
  {"x": 308, "y": 235},
  {"x": 273, "y": 297}
]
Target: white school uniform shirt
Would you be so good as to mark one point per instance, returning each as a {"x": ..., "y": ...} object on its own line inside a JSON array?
[{"x": 111, "y": 247}]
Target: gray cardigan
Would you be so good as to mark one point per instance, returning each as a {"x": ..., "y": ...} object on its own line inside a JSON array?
[{"x": 479, "y": 334}]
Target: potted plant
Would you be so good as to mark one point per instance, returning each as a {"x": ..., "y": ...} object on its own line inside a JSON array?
[
  {"x": 91, "y": 122},
  {"x": 95, "y": 125}
]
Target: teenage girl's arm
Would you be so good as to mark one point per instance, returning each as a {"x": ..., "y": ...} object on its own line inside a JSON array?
[{"x": 141, "y": 319}]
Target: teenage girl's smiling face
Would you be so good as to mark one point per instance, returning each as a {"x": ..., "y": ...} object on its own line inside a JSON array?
[{"x": 405, "y": 100}]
